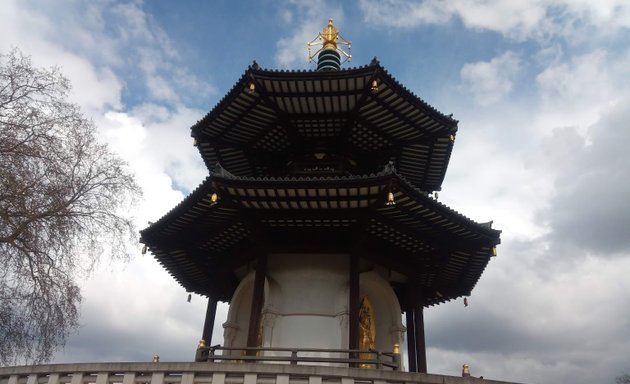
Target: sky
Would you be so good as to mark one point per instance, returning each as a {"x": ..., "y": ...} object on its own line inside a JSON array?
[{"x": 541, "y": 90}]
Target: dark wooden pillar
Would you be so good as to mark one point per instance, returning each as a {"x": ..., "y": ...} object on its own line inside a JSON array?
[
  {"x": 416, "y": 346},
  {"x": 411, "y": 340},
  {"x": 258, "y": 297},
  {"x": 208, "y": 324},
  {"x": 421, "y": 351},
  {"x": 353, "y": 305}
]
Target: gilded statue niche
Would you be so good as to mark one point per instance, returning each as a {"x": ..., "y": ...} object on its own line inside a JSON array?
[{"x": 367, "y": 330}]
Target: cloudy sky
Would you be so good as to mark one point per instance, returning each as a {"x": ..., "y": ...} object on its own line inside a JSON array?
[{"x": 541, "y": 90}]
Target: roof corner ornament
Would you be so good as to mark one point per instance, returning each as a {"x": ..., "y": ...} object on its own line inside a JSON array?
[{"x": 329, "y": 54}]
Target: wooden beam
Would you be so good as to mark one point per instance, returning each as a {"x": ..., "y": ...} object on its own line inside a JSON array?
[
  {"x": 208, "y": 324},
  {"x": 353, "y": 303},
  {"x": 258, "y": 297}
]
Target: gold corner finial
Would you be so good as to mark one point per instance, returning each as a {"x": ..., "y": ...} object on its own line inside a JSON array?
[{"x": 329, "y": 38}]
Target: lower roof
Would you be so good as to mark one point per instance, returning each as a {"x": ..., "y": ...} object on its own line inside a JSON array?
[{"x": 201, "y": 244}]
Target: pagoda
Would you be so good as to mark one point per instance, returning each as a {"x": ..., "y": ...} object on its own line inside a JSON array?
[{"x": 319, "y": 221}]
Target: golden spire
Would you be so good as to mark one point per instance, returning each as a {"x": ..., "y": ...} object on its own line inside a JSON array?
[
  {"x": 330, "y": 35},
  {"x": 329, "y": 38}
]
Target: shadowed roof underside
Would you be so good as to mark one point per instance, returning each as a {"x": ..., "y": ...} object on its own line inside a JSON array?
[{"x": 271, "y": 117}]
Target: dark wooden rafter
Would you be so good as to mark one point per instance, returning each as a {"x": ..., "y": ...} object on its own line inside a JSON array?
[
  {"x": 433, "y": 238},
  {"x": 244, "y": 108},
  {"x": 194, "y": 255},
  {"x": 484, "y": 238},
  {"x": 282, "y": 117},
  {"x": 197, "y": 235},
  {"x": 354, "y": 113},
  {"x": 427, "y": 165},
  {"x": 201, "y": 134},
  {"x": 190, "y": 233},
  {"x": 400, "y": 261},
  {"x": 429, "y": 240},
  {"x": 295, "y": 184},
  {"x": 407, "y": 122},
  {"x": 379, "y": 132},
  {"x": 463, "y": 275},
  {"x": 221, "y": 143}
]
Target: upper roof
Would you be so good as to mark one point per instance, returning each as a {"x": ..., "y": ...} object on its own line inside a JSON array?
[{"x": 271, "y": 117}]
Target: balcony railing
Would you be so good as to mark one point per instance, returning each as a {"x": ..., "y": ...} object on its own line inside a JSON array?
[{"x": 301, "y": 356}]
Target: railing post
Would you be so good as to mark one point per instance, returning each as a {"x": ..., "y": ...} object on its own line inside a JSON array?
[
  {"x": 218, "y": 378},
  {"x": 282, "y": 379},
  {"x": 157, "y": 378},
  {"x": 128, "y": 378},
  {"x": 103, "y": 378},
  {"x": 294, "y": 359},
  {"x": 396, "y": 357},
  {"x": 188, "y": 378},
  {"x": 53, "y": 378},
  {"x": 77, "y": 378}
]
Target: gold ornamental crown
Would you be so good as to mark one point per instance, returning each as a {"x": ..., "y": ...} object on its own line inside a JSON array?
[{"x": 329, "y": 38}]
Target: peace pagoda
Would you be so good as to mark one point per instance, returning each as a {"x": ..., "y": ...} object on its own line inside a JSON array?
[{"x": 319, "y": 224}]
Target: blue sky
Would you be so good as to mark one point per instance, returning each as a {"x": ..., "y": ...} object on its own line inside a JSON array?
[{"x": 541, "y": 90}]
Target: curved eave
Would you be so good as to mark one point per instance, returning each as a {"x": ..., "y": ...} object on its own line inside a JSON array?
[
  {"x": 289, "y": 110},
  {"x": 418, "y": 234}
]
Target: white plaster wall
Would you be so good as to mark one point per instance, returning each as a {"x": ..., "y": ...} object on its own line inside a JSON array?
[
  {"x": 307, "y": 312},
  {"x": 306, "y": 304}
]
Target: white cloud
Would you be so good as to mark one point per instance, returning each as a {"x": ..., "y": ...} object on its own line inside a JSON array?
[
  {"x": 519, "y": 19},
  {"x": 311, "y": 18},
  {"x": 580, "y": 81},
  {"x": 490, "y": 81},
  {"x": 589, "y": 212},
  {"x": 405, "y": 14}
]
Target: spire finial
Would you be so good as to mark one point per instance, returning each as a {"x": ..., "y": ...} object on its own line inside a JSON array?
[
  {"x": 329, "y": 39},
  {"x": 330, "y": 35}
]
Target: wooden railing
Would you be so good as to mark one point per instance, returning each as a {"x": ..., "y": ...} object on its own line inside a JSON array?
[{"x": 295, "y": 356}]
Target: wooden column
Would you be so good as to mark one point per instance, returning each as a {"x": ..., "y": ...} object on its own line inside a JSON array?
[
  {"x": 421, "y": 351},
  {"x": 416, "y": 347},
  {"x": 411, "y": 340},
  {"x": 208, "y": 324},
  {"x": 258, "y": 297},
  {"x": 353, "y": 305}
]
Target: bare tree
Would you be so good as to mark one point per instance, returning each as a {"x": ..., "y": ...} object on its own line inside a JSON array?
[
  {"x": 623, "y": 379},
  {"x": 64, "y": 200}
]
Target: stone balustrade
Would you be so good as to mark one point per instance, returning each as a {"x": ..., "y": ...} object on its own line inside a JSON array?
[{"x": 216, "y": 373}]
